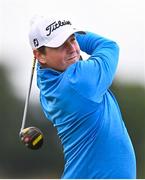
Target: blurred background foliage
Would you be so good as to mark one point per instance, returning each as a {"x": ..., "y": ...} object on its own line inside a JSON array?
[{"x": 16, "y": 161}]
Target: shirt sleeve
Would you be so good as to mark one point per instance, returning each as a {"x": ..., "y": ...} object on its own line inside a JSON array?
[{"x": 92, "y": 77}]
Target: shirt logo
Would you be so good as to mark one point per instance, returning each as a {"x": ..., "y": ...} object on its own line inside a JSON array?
[{"x": 55, "y": 25}]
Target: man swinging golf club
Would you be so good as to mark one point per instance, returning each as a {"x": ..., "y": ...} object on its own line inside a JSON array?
[{"x": 75, "y": 97}]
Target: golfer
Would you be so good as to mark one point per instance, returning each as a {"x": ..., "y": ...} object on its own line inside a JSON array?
[{"x": 75, "y": 97}]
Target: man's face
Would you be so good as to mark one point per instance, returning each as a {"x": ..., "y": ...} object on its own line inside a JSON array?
[{"x": 62, "y": 57}]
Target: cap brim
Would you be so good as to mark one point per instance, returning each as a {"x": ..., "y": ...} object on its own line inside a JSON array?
[{"x": 61, "y": 38}]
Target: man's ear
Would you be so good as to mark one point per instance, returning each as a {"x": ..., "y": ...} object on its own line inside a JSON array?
[{"x": 39, "y": 56}]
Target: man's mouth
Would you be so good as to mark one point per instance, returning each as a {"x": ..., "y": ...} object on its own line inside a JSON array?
[{"x": 71, "y": 58}]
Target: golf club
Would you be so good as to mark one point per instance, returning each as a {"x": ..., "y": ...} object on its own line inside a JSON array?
[{"x": 31, "y": 137}]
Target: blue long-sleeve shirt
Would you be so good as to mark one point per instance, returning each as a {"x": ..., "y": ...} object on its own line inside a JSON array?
[{"x": 86, "y": 114}]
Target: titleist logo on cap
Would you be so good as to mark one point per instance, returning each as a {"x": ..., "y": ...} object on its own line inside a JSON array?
[{"x": 55, "y": 25}]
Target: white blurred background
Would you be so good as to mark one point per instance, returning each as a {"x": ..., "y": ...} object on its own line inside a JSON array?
[{"x": 120, "y": 20}]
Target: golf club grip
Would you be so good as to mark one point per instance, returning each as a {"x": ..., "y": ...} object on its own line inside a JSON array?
[{"x": 28, "y": 95}]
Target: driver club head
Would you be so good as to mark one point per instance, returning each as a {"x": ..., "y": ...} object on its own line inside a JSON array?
[{"x": 31, "y": 137}]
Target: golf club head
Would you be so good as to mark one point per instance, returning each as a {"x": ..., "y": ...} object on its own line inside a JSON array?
[{"x": 31, "y": 137}]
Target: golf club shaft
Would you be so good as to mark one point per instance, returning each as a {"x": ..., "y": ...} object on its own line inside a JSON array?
[{"x": 28, "y": 96}]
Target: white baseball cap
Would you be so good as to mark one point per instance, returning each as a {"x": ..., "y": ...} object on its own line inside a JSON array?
[{"x": 49, "y": 32}]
